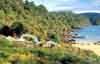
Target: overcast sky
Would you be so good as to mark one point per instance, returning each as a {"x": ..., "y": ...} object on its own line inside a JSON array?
[{"x": 74, "y": 5}]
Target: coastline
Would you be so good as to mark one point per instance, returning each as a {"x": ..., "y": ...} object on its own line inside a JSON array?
[{"x": 92, "y": 47}]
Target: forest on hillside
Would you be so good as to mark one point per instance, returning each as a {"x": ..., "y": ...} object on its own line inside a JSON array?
[{"x": 37, "y": 19}]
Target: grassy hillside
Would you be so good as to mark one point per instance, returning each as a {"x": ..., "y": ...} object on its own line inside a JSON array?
[{"x": 37, "y": 19}]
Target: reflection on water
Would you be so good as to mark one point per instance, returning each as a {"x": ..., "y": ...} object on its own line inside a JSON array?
[{"x": 90, "y": 34}]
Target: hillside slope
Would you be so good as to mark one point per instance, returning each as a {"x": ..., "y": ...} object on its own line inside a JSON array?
[{"x": 93, "y": 17}]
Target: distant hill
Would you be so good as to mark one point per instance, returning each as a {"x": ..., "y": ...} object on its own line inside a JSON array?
[{"x": 92, "y": 16}]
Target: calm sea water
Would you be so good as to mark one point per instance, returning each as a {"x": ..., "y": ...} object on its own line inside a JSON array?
[{"x": 91, "y": 34}]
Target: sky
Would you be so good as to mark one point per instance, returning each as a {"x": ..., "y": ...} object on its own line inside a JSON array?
[{"x": 77, "y": 6}]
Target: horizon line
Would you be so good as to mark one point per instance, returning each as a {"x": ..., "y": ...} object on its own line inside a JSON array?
[{"x": 88, "y": 11}]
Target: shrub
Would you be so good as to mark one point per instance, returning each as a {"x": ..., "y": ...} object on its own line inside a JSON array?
[{"x": 5, "y": 43}]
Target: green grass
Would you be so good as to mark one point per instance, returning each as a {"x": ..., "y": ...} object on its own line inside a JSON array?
[
  {"x": 46, "y": 56},
  {"x": 40, "y": 55}
]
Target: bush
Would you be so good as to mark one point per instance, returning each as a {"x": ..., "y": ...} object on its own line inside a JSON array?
[
  {"x": 18, "y": 28},
  {"x": 5, "y": 43}
]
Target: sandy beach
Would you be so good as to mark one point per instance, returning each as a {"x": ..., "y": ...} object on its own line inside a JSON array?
[{"x": 91, "y": 47}]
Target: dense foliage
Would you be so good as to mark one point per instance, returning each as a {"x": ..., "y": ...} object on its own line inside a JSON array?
[
  {"x": 37, "y": 19},
  {"x": 64, "y": 55}
]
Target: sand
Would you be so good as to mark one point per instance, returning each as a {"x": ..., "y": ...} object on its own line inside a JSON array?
[{"x": 91, "y": 47}]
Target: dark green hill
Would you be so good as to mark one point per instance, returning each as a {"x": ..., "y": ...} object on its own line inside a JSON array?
[{"x": 93, "y": 17}]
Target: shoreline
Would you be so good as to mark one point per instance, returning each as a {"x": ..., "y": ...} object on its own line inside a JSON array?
[{"x": 92, "y": 47}]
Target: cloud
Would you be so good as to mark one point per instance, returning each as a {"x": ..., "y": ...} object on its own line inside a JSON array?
[
  {"x": 74, "y": 5},
  {"x": 96, "y": 3}
]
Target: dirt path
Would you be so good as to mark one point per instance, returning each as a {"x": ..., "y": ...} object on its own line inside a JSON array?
[{"x": 92, "y": 47}]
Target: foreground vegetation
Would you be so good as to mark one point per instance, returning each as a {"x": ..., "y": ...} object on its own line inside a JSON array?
[
  {"x": 9, "y": 54},
  {"x": 45, "y": 56}
]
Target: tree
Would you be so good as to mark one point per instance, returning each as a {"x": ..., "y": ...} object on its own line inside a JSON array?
[{"x": 18, "y": 28}]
